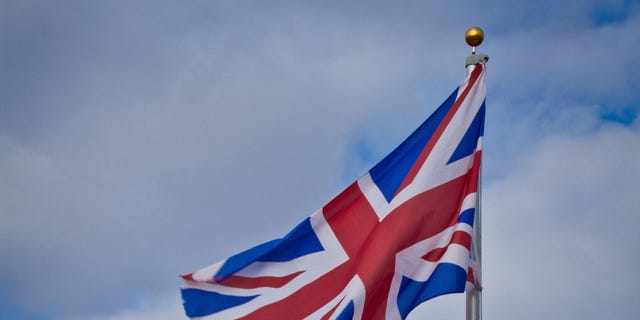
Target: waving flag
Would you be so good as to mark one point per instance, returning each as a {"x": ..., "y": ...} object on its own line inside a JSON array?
[{"x": 398, "y": 236}]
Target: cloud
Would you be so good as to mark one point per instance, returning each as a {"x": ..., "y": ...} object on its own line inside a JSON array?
[
  {"x": 560, "y": 229},
  {"x": 571, "y": 62},
  {"x": 138, "y": 152},
  {"x": 165, "y": 307}
]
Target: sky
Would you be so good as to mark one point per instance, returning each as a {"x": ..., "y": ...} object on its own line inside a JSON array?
[{"x": 141, "y": 140}]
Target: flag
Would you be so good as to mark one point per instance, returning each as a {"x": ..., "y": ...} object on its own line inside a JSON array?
[{"x": 398, "y": 236}]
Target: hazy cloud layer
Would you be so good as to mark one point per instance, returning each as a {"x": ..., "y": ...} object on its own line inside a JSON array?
[{"x": 140, "y": 141}]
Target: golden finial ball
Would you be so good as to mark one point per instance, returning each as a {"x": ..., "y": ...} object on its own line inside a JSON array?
[{"x": 474, "y": 36}]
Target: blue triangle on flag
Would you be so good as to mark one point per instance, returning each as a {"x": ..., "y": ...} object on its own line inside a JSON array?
[
  {"x": 470, "y": 138},
  {"x": 389, "y": 173}
]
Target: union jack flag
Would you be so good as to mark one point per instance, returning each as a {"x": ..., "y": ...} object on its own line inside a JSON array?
[{"x": 398, "y": 236}]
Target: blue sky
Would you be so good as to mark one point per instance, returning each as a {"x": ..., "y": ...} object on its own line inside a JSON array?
[{"x": 139, "y": 141}]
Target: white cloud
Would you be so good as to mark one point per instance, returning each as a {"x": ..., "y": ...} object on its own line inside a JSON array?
[
  {"x": 570, "y": 61},
  {"x": 559, "y": 232},
  {"x": 144, "y": 163},
  {"x": 167, "y": 307}
]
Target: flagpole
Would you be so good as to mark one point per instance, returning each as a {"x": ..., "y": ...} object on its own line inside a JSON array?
[{"x": 474, "y": 37}]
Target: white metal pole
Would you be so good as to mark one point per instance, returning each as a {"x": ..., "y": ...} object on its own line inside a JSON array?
[
  {"x": 474, "y": 38},
  {"x": 474, "y": 298}
]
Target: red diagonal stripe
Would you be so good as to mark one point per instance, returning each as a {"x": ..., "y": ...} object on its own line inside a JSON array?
[
  {"x": 188, "y": 277},
  {"x": 441, "y": 127},
  {"x": 258, "y": 282},
  {"x": 330, "y": 313},
  {"x": 459, "y": 237},
  {"x": 462, "y": 238},
  {"x": 470, "y": 277},
  {"x": 308, "y": 298}
]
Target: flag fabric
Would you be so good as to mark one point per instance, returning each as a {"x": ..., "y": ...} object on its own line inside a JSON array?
[{"x": 398, "y": 236}]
